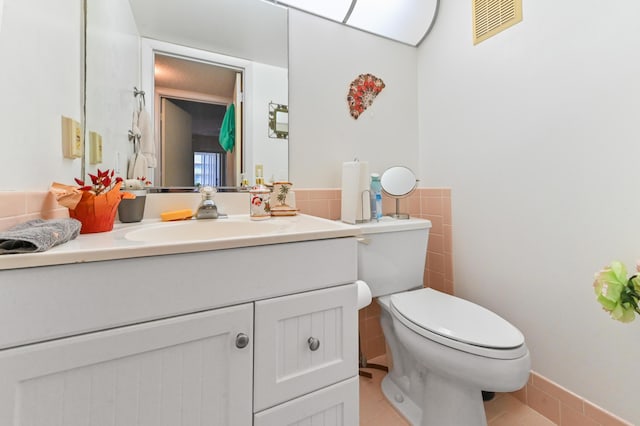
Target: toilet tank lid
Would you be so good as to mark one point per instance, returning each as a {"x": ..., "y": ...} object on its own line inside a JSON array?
[
  {"x": 390, "y": 224},
  {"x": 456, "y": 319}
]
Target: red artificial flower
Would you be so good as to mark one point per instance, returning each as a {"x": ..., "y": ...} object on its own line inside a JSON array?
[{"x": 102, "y": 182}]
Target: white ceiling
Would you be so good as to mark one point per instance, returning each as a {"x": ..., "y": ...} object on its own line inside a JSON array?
[
  {"x": 256, "y": 30},
  {"x": 248, "y": 29}
]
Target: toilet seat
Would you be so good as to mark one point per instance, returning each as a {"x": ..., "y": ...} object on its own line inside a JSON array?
[{"x": 457, "y": 323}]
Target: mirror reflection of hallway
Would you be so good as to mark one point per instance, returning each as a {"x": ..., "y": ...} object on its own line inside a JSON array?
[
  {"x": 189, "y": 138},
  {"x": 192, "y": 98}
]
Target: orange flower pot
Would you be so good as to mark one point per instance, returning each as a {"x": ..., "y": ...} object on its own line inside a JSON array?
[{"x": 97, "y": 212}]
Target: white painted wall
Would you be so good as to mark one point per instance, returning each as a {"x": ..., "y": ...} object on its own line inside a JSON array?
[
  {"x": 537, "y": 133},
  {"x": 113, "y": 69},
  {"x": 324, "y": 57},
  {"x": 270, "y": 84},
  {"x": 40, "y": 80}
]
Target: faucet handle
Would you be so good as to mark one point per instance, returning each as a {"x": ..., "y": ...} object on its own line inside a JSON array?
[{"x": 207, "y": 192}]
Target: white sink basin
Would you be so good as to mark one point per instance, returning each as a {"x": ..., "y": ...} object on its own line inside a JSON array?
[{"x": 206, "y": 229}]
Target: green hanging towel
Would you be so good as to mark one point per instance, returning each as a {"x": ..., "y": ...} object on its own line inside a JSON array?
[{"x": 227, "y": 137}]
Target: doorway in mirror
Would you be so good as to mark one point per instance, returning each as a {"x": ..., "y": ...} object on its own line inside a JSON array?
[
  {"x": 200, "y": 120},
  {"x": 190, "y": 140}
]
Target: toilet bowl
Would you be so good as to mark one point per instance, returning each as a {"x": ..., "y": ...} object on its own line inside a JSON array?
[{"x": 443, "y": 350}]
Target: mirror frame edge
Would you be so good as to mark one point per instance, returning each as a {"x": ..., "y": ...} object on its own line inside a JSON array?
[{"x": 83, "y": 85}]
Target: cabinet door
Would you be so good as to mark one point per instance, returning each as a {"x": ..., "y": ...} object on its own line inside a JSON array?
[
  {"x": 185, "y": 370},
  {"x": 304, "y": 342},
  {"x": 335, "y": 405}
]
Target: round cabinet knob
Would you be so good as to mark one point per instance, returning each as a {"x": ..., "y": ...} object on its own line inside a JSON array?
[
  {"x": 314, "y": 343},
  {"x": 242, "y": 340}
]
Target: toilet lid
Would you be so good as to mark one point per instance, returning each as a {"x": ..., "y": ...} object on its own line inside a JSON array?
[{"x": 456, "y": 319}]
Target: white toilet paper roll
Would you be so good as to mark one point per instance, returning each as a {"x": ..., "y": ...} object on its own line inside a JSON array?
[
  {"x": 355, "y": 206},
  {"x": 364, "y": 294},
  {"x": 364, "y": 205},
  {"x": 350, "y": 191}
]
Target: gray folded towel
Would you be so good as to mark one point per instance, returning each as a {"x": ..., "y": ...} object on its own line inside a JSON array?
[{"x": 38, "y": 235}]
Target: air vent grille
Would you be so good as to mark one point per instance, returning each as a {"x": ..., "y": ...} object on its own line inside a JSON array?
[{"x": 492, "y": 16}]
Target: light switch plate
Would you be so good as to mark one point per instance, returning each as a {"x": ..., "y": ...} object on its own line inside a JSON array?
[
  {"x": 95, "y": 148},
  {"x": 71, "y": 138}
]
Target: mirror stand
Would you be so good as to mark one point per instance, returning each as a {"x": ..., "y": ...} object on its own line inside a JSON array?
[
  {"x": 398, "y": 182},
  {"x": 397, "y": 214}
]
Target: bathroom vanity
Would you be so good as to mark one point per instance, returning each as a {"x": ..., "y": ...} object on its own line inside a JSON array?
[{"x": 244, "y": 329}]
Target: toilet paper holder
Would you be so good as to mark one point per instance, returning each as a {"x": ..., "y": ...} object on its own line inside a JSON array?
[
  {"x": 355, "y": 203},
  {"x": 364, "y": 299}
]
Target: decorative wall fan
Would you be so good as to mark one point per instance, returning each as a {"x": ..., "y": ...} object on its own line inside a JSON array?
[{"x": 362, "y": 91}]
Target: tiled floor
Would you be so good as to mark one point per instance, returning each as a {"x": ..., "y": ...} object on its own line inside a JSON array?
[{"x": 503, "y": 410}]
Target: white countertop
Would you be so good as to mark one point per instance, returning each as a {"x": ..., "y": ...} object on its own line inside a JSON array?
[{"x": 117, "y": 244}]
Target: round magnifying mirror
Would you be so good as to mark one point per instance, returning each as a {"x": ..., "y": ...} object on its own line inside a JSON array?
[{"x": 398, "y": 182}]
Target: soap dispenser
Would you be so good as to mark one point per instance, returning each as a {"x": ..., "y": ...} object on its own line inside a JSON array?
[{"x": 259, "y": 195}]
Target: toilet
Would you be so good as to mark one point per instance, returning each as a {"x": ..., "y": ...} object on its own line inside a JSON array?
[{"x": 443, "y": 351}]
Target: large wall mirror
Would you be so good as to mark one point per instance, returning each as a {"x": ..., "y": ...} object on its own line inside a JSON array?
[{"x": 192, "y": 59}]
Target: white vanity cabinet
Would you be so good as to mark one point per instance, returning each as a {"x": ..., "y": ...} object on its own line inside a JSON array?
[
  {"x": 216, "y": 337},
  {"x": 335, "y": 405},
  {"x": 304, "y": 343},
  {"x": 175, "y": 371}
]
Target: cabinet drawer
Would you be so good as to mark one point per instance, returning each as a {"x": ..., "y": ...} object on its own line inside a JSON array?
[
  {"x": 335, "y": 405},
  {"x": 287, "y": 362}
]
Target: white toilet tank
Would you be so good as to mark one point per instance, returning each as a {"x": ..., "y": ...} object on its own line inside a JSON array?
[{"x": 392, "y": 253}]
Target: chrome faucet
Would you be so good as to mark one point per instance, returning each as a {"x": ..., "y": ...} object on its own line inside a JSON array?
[{"x": 207, "y": 208}]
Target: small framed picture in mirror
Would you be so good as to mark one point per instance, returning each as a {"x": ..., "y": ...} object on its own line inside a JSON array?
[{"x": 278, "y": 121}]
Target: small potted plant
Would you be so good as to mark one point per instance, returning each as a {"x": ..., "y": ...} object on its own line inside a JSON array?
[
  {"x": 132, "y": 209},
  {"x": 95, "y": 205}
]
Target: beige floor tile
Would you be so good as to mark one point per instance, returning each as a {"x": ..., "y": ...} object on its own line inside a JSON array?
[
  {"x": 512, "y": 412},
  {"x": 503, "y": 410},
  {"x": 496, "y": 407},
  {"x": 525, "y": 417}
]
